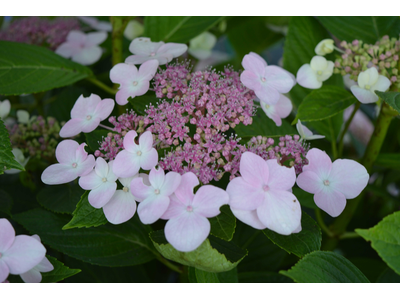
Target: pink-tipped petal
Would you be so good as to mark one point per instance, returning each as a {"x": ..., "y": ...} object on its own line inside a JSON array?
[
  {"x": 90, "y": 181},
  {"x": 157, "y": 177},
  {"x": 95, "y": 38},
  {"x": 283, "y": 107},
  {"x": 185, "y": 190},
  {"x": 59, "y": 174},
  {"x": 330, "y": 201},
  {"x": 364, "y": 96},
  {"x": 121, "y": 73},
  {"x": 268, "y": 94},
  {"x": 86, "y": 166},
  {"x": 254, "y": 63},
  {"x": 104, "y": 108},
  {"x": 7, "y": 235},
  {"x": 76, "y": 36},
  {"x": 176, "y": 207},
  {"x": 140, "y": 190},
  {"x": 280, "y": 212},
  {"x": 250, "y": 80},
  {"x": 149, "y": 159},
  {"x": 208, "y": 200},
  {"x": 44, "y": 266},
  {"x": 278, "y": 78},
  {"x": 99, "y": 196},
  {"x": 249, "y": 217},
  {"x": 171, "y": 183},
  {"x": 71, "y": 128},
  {"x": 88, "y": 56},
  {"x": 4, "y": 271},
  {"x": 173, "y": 48},
  {"x": 101, "y": 167},
  {"x": 120, "y": 208},
  {"x": 67, "y": 50},
  {"x": 84, "y": 106},
  {"x": 306, "y": 77},
  {"x": 32, "y": 276},
  {"x": 310, "y": 182},
  {"x": 319, "y": 163},
  {"x": 129, "y": 141},
  {"x": 148, "y": 69},
  {"x": 187, "y": 231},
  {"x": 65, "y": 151},
  {"x": 146, "y": 141},
  {"x": 282, "y": 178},
  {"x": 144, "y": 46},
  {"x": 244, "y": 196},
  {"x": 80, "y": 153},
  {"x": 126, "y": 164},
  {"x": 152, "y": 208},
  {"x": 24, "y": 254},
  {"x": 348, "y": 177},
  {"x": 254, "y": 169}
]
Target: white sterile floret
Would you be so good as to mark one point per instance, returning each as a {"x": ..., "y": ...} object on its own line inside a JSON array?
[
  {"x": 369, "y": 81},
  {"x": 200, "y": 46},
  {"x": 19, "y": 157},
  {"x": 133, "y": 30},
  {"x": 305, "y": 133},
  {"x": 324, "y": 47},
  {"x": 313, "y": 74},
  {"x": 5, "y": 107}
]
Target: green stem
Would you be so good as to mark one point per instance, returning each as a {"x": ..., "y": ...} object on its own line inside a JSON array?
[
  {"x": 333, "y": 143},
  {"x": 101, "y": 85},
  {"x": 118, "y": 26},
  {"x": 169, "y": 264},
  {"x": 346, "y": 127},
  {"x": 322, "y": 224},
  {"x": 349, "y": 235},
  {"x": 386, "y": 115}
]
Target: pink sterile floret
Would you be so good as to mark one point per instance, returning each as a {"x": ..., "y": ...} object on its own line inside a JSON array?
[
  {"x": 73, "y": 162},
  {"x": 268, "y": 82},
  {"x": 187, "y": 214},
  {"x": 82, "y": 48},
  {"x": 154, "y": 199},
  {"x": 133, "y": 82},
  {"x": 101, "y": 182},
  {"x": 128, "y": 162},
  {"x": 280, "y": 110},
  {"x": 144, "y": 49},
  {"x": 33, "y": 275},
  {"x": 86, "y": 115},
  {"x": 332, "y": 183},
  {"x": 260, "y": 197},
  {"x": 18, "y": 254}
]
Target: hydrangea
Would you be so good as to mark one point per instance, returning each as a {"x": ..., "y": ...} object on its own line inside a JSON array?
[{"x": 313, "y": 74}]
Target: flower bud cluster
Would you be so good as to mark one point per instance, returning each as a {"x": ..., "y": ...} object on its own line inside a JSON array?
[
  {"x": 359, "y": 56},
  {"x": 40, "y": 31},
  {"x": 37, "y": 139}
]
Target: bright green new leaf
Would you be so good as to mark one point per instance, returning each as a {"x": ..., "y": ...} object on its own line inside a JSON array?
[
  {"x": 385, "y": 239},
  {"x": 302, "y": 243},
  {"x": 391, "y": 98},
  {"x": 59, "y": 273},
  {"x": 325, "y": 267},
  {"x": 7, "y": 159},
  {"x": 85, "y": 215},
  {"x": 26, "y": 69},
  {"x": 213, "y": 255}
]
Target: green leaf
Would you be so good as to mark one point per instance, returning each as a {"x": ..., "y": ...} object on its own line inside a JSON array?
[
  {"x": 391, "y": 98},
  {"x": 59, "y": 273},
  {"x": 26, "y": 69},
  {"x": 385, "y": 239},
  {"x": 330, "y": 128},
  {"x": 94, "y": 138},
  {"x": 177, "y": 29},
  {"x": 223, "y": 225},
  {"x": 200, "y": 276},
  {"x": 388, "y": 160},
  {"x": 388, "y": 276},
  {"x": 6, "y": 202},
  {"x": 264, "y": 126},
  {"x": 325, "y": 267},
  {"x": 127, "y": 244},
  {"x": 7, "y": 159},
  {"x": 213, "y": 255},
  {"x": 304, "y": 33},
  {"x": 306, "y": 241},
  {"x": 250, "y": 34},
  {"x": 85, "y": 215},
  {"x": 140, "y": 104},
  {"x": 263, "y": 277},
  {"x": 368, "y": 29},
  {"x": 324, "y": 103},
  {"x": 61, "y": 198}
]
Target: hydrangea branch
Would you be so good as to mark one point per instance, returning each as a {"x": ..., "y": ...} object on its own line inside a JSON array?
[
  {"x": 101, "y": 85},
  {"x": 118, "y": 26},
  {"x": 346, "y": 127}
]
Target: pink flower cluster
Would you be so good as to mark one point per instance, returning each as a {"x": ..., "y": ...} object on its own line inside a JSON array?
[{"x": 40, "y": 31}]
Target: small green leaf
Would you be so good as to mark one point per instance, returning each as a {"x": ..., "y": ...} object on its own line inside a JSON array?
[
  {"x": 391, "y": 98},
  {"x": 94, "y": 138},
  {"x": 324, "y": 103},
  {"x": 388, "y": 160},
  {"x": 61, "y": 198},
  {"x": 213, "y": 255},
  {"x": 26, "y": 69},
  {"x": 264, "y": 126},
  {"x": 368, "y": 29},
  {"x": 59, "y": 273},
  {"x": 223, "y": 225},
  {"x": 385, "y": 239},
  {"x": 325, "y": 267},
  {"x": 7, "y": 159},
  {"x": 263, "y": 277},
  {"x": 140, "y": 104},
  {"x": 85, "y": 215},
  {"x": 306, "y": 241},
  {"x": 177, "y": 29}
]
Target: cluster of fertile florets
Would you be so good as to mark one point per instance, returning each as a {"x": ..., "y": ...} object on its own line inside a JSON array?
[
  {"x": 40, "y": 31},
  {"x": 37, "y": 139},
  {"x": 358, "y": 57}
]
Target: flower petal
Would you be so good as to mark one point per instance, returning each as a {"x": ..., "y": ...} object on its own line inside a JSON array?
[
  {"x": 254, "y": 169},
  {"x": 243, "y": 195},
  {"x": 175, "y": 208},
  {"x": 104, "y": 108},
  {"x": 149, "y": 160},
  {"x": 44, "y": 266},
  {"x": 88, "y": 56},
  {"x": 171, "y": 183},
  {"x": 307, "y": 78},
  {"x": 187, "y": 231},
  {"x": 254, "y": 63},
  {"x": 126, "y": 164},
  {"x": 250, "y": 80},
  {"x": 4, "y": 270},
  {"x": 99, "y": 196},
  {"x": 146, "y": 141},
  {"x": 278, "y": 79},
  {"x": 268, "y": 94},
  {"x": 122, "y": 73},
  {"x": 330, "y": 201},
  {"x": 382, "y": 84},
  {"x": 71, "y": 128},
  {"x": 249, "y": 217},
  {"x": 32, "y": 276},
  {"x": 364, "y": 96},
  {"x": 157, "y": 177},
  {"x": 90, "y": 181},
  {"x": 176, "y": 49},
  {"x": 86, "y": 166},
  {"x": 310, "y": 182},
  {"x": 152, "y": 208},
  {"x": 148, "y": 69},
  {"x": 143, "y": 45},
  {"x": 65, "y": 151},
  {"x": 319, "y": 163},
  {"x": 140, "y": 190},
  {"x": 120, "y": 208},
  {"x": 129, "y": 141},
  {"x": 95, "y": 38},
  {"x": 283, "y": 177},
  {"x": 184, "y": 192},
  {"x": 59, "y": 174},
  {"x": 85, "y": 106},
  {"x": 24, "y": 254},
  {"x": 280, "y": 212},
  {"x": 7, "y": 235},
  {"x": 208, "y": 200}
]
